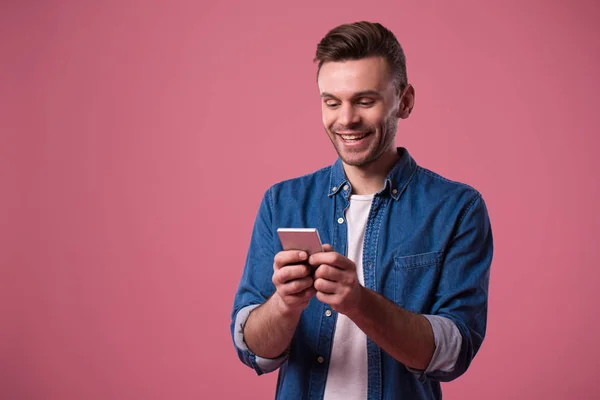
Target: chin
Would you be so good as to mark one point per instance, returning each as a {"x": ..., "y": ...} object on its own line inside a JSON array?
[{"x": 356, "y": 160}]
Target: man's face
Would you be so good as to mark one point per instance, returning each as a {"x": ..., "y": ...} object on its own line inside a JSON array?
[{"x": 360, "y": 108}]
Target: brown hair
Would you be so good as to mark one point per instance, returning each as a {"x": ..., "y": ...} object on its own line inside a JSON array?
[{"x": 361, "y": 40}]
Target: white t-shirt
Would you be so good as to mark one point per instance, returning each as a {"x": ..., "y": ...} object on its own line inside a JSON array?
[{"x": 347, "y": 377}]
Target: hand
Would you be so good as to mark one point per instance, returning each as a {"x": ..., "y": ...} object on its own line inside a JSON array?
[
  {"x": 293, "y": 281},
  {"x": 336, "y": 281}
]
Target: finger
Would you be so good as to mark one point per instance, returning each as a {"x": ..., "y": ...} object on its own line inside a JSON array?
[
  {"x": 311, "y": 291},
  {"x": 330, "y": 273},
  {"x": 327, "y": 248},
  {"x": 288, "y": 257},
  {"x": 330, "y": 299},
  {"x": 300, "y": 297},
  {"x": 290, "y": 272},
  {"x": 331, "y": 258},
  {"x": 295, "y": 286},
  {"x": 325, "y": 286},
  {"x": 306, "y": 294}
]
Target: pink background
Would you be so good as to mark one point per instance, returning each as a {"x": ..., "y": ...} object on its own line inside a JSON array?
[{"x": 137, "y": 139}]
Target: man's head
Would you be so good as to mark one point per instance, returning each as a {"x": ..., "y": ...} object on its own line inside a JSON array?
[{"x": 364, "y": 90}]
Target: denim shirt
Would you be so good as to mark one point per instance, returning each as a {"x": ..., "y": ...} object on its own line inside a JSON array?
[{"x": 427, "y": 248}]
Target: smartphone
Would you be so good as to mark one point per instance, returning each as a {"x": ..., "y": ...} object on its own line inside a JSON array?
[{"x": 303, "y": 239}]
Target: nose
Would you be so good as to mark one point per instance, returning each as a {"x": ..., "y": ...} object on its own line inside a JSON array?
[{"x": 347, "y": 115}]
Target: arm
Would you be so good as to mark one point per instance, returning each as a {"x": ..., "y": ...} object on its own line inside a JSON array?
[
  {"x": 268, "y": 297},
  {"x": 462, "y": 292},
  {"x": 269, "y": 329},
  {"x": 406, "y": 336}
]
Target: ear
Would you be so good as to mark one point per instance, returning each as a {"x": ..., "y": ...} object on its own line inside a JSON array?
[{"x": 407, "y": 102}]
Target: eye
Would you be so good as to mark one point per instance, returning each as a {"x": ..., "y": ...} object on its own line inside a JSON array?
[
  {"x": 365, "y": 102},
  {"x": 331, "y": 103}
]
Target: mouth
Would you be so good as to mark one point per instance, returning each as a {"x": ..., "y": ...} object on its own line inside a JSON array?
[{"x": 353, "y": 137}]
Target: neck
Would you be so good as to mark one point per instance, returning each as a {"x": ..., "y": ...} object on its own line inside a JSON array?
[{"x": 369, "y": 179}]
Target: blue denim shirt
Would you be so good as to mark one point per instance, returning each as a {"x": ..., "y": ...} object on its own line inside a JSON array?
[{"x": 427, "y": 247}]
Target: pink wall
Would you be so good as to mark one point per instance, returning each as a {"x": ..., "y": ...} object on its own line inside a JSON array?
[{"x": 137, "y": 139}]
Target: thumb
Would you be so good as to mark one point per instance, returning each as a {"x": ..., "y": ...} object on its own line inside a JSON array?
[{"x": 327, "y": 248}]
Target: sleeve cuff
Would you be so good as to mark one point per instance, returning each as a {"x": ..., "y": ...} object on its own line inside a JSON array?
[
  {"x": 261, "y": 365},
  {"x": 448, "y": 342}
]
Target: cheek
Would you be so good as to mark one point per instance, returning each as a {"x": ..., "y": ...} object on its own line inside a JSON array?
[
  {"x": 376, "y": 119},
  {"x": 328, "y": 118},
  {"x": 373, "y": 122}
]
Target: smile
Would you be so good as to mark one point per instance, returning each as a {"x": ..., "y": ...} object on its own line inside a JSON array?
[{"x": 353, "y": 137}]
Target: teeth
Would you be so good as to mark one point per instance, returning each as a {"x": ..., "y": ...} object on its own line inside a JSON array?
[{"x": 352, "y": 137}]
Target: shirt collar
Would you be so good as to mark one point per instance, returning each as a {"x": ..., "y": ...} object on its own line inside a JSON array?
[{"x": 395, "y": 183}]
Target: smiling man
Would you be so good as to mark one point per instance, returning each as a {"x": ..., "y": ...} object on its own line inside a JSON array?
[{"x": 397, "y": 302}]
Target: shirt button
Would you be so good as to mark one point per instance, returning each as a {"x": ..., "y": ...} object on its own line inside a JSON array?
[
  {"x": 345, "y": 187},
  {"x": 395, "y": 191},
  {"x": 340, "y": 220},
  {"x": 333, "y": 189},
  {"x": 328, "y": 313},
  {"x": 320, "y": 360}
]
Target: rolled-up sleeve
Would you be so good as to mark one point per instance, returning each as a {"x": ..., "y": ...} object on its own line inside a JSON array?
[
  {"x": 256, "y": 287},
  {"x": 447, "y": 341},
  {"x": 260, "y": 364}
]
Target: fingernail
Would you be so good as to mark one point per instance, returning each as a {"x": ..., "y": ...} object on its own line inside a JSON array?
[{"x": 302, "y": 255}]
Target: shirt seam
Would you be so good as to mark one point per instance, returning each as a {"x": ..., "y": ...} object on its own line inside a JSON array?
[
  {"x": 443, "y": 179},
  {"x": 469, "y": 207}
]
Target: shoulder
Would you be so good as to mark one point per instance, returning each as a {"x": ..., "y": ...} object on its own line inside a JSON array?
[
  {"x": 314, "y": 181},
  {"x": 428, "y": 176},
  {"x": 432, "y": 186}
]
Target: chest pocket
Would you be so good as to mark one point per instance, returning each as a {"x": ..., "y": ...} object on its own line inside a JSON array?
[{"x": 416, "y": 279}]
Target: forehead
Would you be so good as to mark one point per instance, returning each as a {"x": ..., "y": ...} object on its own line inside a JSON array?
[{"x": 351, "y": 76}]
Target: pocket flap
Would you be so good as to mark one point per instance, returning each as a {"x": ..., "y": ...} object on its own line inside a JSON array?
[{"x": 418, "y": 260}]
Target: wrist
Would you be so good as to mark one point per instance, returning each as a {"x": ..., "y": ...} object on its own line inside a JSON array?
[
  {"x": 283, "y": 309},
  {"x": 357, "y": 311}
]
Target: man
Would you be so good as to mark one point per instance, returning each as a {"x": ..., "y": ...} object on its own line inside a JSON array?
[{"x": 398, "y": 300}]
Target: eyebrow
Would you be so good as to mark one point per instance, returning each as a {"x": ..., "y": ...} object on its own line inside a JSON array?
[{"x": 357, "y": 94}]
